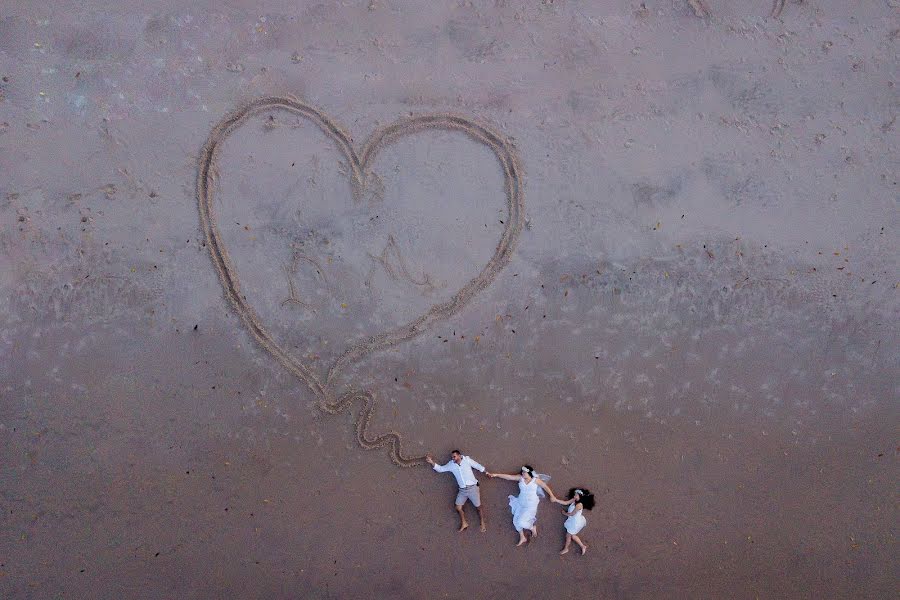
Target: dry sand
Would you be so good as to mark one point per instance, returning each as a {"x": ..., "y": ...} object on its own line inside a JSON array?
[{"x": 697, "y": 319}]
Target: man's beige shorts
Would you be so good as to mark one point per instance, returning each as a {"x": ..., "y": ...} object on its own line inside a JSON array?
[{"x": 469, "y": 493}]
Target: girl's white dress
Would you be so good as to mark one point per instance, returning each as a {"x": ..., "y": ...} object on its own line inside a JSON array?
[
  {"x": 524, "y": 506},
  {"x": 576, "y": 522}
]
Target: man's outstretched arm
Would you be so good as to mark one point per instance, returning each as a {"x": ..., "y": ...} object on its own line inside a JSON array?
[
  {"x": 437, "y": 467},
  {"x": 476, "y": 465}
]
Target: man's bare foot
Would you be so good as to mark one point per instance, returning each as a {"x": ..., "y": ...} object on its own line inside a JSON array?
[
  {"x": 463, "y": 527},
  {"x": 483, "y": 528},
  {"x": 564, "y": 551},
  {"x": 583, "y": 550}
]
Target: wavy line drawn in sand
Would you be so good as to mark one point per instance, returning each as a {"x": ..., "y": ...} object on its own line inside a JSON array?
[
  {"x": 391, "y": 252},
  {"x": 357, "y": 164}
]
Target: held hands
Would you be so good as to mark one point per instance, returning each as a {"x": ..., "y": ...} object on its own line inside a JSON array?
[{"x": 553, "y": 497}]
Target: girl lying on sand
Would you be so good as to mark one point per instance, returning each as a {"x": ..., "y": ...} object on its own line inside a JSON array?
[{"x": 580, "y": 499}]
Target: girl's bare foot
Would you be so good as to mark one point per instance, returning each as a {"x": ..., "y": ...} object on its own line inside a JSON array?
[
  {"x": 463, "y": 527},
  {"x": 483, "y": 528},
  {"x": 534, "y": 531},
  {"x": 522, "y": 540},
  {"x": 564, "y": 551},
  {"x": 583, "y": 550}
]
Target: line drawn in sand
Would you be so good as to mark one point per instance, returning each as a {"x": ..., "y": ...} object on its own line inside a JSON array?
[
  {"x": 357, "y": 162},
  {"x": 777, "y": 7},
  {"x": 401, "y": 272},
  {"x": 292, "y": 297},
  {"x": 702, "y": 10},
  {"x": 291, "y": 270}
]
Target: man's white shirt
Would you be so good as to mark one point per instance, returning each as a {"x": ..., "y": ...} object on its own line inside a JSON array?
[{"x": 462, "y": 471}]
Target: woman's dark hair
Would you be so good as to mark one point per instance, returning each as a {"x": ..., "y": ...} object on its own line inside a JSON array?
[
  {"x": 587, "y": 498},
  {"x": 530, "y": 469}
]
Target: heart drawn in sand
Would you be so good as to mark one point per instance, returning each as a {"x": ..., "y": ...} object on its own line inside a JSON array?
[{"x": 358, "y": 162}]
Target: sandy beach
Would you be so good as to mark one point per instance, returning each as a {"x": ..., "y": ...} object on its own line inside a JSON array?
[{"x": 258, "y": 259}]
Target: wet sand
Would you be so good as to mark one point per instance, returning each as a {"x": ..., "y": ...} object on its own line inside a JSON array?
[{"x": 697, "y": 319}]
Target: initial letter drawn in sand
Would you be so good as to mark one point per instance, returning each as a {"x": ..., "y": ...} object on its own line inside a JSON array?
[{"x": 358, "y": 160}]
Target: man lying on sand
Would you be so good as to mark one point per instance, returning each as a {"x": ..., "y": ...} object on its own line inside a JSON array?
[{"x": 461, "y": 467}]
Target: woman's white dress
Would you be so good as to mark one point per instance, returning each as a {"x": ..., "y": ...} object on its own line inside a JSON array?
[
  {"x": 576, "y": 522},
  {"x": 524, "y": 506}
]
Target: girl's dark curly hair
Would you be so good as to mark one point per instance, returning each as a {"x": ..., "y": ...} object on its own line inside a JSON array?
[{"x": 585, "y": 495}]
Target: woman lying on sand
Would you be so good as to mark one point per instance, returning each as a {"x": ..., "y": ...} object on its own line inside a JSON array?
[
  {"x": 524, "y": 506},
  {"x": 580, "y": 499}
]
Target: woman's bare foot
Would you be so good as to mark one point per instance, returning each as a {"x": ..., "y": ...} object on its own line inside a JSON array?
[
  {"x": 534, "y": 531},
  {"x": 564, "y": 551},
  {"x": 583, "y": 550},
  {"x": 463, "y": 527},
  {"x": 522, "y": 540},
  {"x": 483, "y": 528}
]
